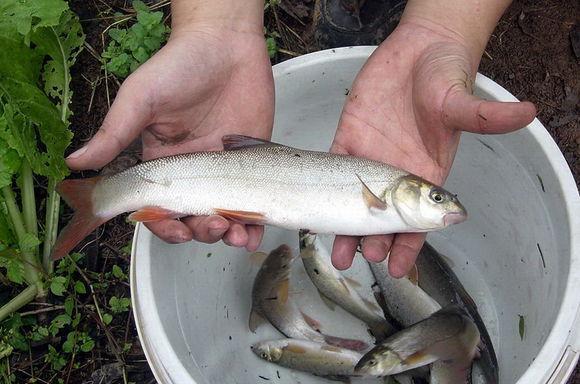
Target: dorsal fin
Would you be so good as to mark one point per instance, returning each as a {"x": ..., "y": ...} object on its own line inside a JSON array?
[{"x": 231, "y": 142}]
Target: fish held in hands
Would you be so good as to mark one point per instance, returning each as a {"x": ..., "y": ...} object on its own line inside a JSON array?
[
  {"x": 449, "y": 335},
  {"x": 271, "y": 301},
  {"x": 337, "y": 289},
  {"x": 258, "y": 182}
]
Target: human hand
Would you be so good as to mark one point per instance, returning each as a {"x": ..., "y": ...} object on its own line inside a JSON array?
[
  {"x": 407, "y": 107},
  {"x": 206, "y": 82}
]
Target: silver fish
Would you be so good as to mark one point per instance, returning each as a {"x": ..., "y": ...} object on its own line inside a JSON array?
[
  {"x": 309, "y": 356},
  {"x": 258, "y": 182},
  {"x": 405, "y": 301},
  {"x": 441, "y": 283},
  {"x": 448, "y": 334},
  {"x": 337, "y": 289},
  {"x": 271, "y": 301}
]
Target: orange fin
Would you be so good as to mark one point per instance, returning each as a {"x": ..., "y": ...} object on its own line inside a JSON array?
[
  {"x": 310, "y": 321},
  {"x": 242, "y": 216},
  {"x": 354, "y": 345},
  {"x": 371, "y": 200},
  {"x": 146, "y": 214},
  {"x": 77, "y": 193},
  {"x": 413, "y": 275},
  {"x": 231, "y": 142}
]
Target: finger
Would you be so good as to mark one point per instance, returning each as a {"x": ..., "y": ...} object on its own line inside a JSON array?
[
  {"x": 129, "y": 115},
  {"x": 375, "y": 248},
  {"x": 207, "y": 229},
  {"x": 255, "y": 234},
  {"x": 236, "y": 236},
  {"x": 469, "y": 113},
  {"x": 171, "y": 231},
  {"x": 404, "y": 251},
  {"x": 343, "y": 251}
]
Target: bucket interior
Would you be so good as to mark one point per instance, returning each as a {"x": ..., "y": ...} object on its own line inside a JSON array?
[{"x": 512, "y": 255}]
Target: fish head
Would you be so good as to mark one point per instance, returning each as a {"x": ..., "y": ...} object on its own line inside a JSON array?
[
  {"x": 426, "y": 206},
  {"x": 279, "y": 260},
  {"x": 269, "y": 351},
  {"x": 378, "y": 362}
]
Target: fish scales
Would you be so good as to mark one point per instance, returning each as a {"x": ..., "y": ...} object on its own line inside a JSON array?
[{"x": 280, "y": 182}]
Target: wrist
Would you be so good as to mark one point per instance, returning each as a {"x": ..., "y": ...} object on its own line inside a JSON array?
[
  {"x": 233, "y": 15},
  {"x": 469, "y": 23}
]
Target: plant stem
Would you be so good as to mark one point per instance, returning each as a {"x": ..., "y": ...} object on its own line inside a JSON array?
[
  {"x": 28, "y": 201},
  {"x": 18, "y": 301},
  {"x": 51, "y": 225},
  {"x": 31, "y": 267}
]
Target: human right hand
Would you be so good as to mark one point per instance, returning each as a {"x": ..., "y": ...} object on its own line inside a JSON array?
[{"x": 213, "y": 78}]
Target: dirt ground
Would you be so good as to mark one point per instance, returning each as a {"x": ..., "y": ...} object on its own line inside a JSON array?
[{"x": 530, "y": 54}]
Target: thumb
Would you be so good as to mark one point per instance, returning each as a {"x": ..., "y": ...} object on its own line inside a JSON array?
[
  {"x": 130, "y": 113},
  {"x": 466, "y": 112}
]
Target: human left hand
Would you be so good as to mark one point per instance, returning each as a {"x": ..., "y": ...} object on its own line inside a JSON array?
[{"x": 407, "y": 107}]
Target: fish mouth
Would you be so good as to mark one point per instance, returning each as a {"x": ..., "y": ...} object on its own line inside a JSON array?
[{"x": 454, "y": 218}]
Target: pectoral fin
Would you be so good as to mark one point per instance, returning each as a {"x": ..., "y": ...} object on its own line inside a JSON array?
[
  {"x": 413, "y": 275},
  {"x": 371, "y": 200},
  {"x": 244, "y": 217},
  {"x": 255, "y": 320}
]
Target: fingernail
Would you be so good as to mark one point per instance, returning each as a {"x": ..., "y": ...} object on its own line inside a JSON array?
[{"x": 77, "y": 153}]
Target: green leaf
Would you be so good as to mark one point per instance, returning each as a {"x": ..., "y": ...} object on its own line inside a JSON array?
[
  {"x": 80, "y": 287},
  {"x": 118, "y": 272},
  {"x": 88, "y": 344},
  {"x": 59, "y": 323},
  {"x": 13, "y": 263},
  {"x": 107, "y": 318},
  {"x": 119, "y": 305},
  {"x": 57, "y": 362},
  {"x": 27, "y": 15},
  {"x": 61, "y": 43},
  {"x": 69, "y": 344},
  {"x": 69, "y": 306},
  {"x": 140, "y": 6},
  {"x": 117, "y": 34},
  {"x": 29, "y": 242},
  {"x": 58, "y": 285}
]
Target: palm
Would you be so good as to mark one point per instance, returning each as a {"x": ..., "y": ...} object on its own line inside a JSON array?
[
  {"x": 406, "y": 108},
  {"x": 200, "y": 91}
]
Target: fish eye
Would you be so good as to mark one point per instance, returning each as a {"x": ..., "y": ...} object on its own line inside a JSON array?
[
  {"x": 264, "y": 355},
  {"x": 372, "y": 362},
  {"x": 437, "y": 196}
]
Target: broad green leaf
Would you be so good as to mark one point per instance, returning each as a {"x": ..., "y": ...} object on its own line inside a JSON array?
[
  {"x": 118, "y": 272},
  {"x": 87, "y": 344},
  {"x": 28, "y": 15},
  {"x": 62, "y": 43}
]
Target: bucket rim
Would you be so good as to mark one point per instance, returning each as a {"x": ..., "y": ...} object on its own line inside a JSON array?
[{"x": 167, "y": 367}]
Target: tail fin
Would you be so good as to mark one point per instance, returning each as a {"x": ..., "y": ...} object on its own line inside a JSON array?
[
  {"x": 77, "y": 194},
  {"x": 354, "y": 345}
]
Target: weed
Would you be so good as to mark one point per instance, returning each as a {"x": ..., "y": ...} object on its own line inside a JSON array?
[{"x": 131, "y": 47}]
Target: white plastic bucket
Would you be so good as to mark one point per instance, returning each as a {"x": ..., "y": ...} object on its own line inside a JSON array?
[{"x": 517, "y": 255}]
